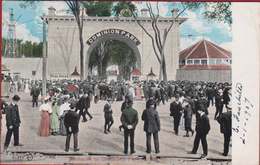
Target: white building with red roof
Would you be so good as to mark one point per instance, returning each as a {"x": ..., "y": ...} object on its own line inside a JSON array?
[
  {"x": 205, "y": 61},
  {"x": 136, "y": 75}
]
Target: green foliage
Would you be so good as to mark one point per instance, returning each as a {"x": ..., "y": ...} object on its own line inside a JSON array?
[
  {"x": 28, "y": 3},
  {"x": 27, "y": 48},
  {"x": 124, "y": 8},
  {"x": 118, "y": 53},
  {"x": 218, "y": 11},
  {"x": 98, "y": 8}
]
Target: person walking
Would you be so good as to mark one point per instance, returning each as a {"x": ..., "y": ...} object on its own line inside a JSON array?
[
  {"x": 71, "y": 122},
  {"x": 176, "y": 112},
  {"x": 129, "y": 119},
  {"x": 84, "y": 105},
  {"x": 13, "y": 122},
  {"x": 202, "y": 129},
  {"x": 45, "y": 108},
  {"x": 187, "y": 116},
  {"x": 151, "y": 126},
  {"x": 109, "y": 121}
]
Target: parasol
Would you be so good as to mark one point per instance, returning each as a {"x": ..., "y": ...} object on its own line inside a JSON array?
[{"x": 72, "y": 88}]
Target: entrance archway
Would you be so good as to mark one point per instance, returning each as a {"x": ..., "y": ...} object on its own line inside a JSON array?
[{"x": 131, "y": 41}]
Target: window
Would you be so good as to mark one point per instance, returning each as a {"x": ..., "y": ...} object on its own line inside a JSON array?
[
  {"x": 135, "y": 78},
  {"x": 182, "y": 62},
  {"x": 218, "y": 62},
  {"x": 189, "y": 62},
  {"x": 203, "y": 62},
  {"x": 211, "y": 62},
  {"x": 225, "y": 62},
  {"x": 33, "y": 73},
  {"x": 196, "y": 62},
  {"x": 230, "y": 61}
]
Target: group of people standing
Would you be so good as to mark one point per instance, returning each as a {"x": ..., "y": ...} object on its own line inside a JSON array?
[{"x": 61, "y": 117}]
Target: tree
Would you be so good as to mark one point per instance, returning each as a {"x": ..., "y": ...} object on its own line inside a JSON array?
[
  {"x": 75, "y": 8},
  {"x": 159, "y": 37},
  {"x": 98, "y": 8},
  {"x": 122, "y": 55}
]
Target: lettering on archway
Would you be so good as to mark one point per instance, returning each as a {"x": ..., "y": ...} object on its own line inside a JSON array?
[{"x": 113, "y": 31}]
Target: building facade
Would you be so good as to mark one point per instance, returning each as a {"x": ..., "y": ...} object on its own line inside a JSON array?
[{"x": 63, "y": 41}]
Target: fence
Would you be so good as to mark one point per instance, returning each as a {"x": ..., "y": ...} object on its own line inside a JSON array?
[{"x": 205, "y": 75}]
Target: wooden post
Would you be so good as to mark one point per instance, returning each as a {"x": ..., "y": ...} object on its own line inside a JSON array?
[{"x": 44, "y": 60}]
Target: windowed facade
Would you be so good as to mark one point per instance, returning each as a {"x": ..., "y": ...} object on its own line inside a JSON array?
[
  {"x": 218, "y": 62},
  {"x": 135, "y": 78},
  {"x": 206, "y": 62},
  {"x": 196, "y": 62},
  {"x": 203, "y": 62},
  {"x": 189, "y": 62},
  {"x": 182, "y": 62}
]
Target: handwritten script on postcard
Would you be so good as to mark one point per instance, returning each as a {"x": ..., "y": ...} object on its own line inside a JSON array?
[{"x": 242, "y": 114}]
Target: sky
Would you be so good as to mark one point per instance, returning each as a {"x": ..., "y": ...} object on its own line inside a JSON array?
[{"x": 29, "y": 25}]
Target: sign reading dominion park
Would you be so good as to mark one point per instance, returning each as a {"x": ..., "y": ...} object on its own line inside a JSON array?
[{"x": 113, "y": 31}]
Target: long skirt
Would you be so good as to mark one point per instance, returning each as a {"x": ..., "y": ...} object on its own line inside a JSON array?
[
  {"x": 139, "y": 94},
  {"x": 45, "y": 125}
]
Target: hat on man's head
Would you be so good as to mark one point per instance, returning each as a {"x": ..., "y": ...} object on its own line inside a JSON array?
[
  {"x": 16, "y": 98},
  {"x": 177, "y": 96},
  {"x": 150, "y": 102},
  {"x": 130, "y": 102},
  {"x": 73, "y": 105}
]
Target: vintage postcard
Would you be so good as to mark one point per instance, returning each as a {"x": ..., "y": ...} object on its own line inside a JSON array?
[{"x": 130, "y": 82}]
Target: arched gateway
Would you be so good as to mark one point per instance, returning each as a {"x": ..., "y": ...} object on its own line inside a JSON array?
[{"x": 63, "y": 41}]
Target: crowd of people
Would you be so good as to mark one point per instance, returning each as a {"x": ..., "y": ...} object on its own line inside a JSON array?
[{"x": 67, "y": 97}]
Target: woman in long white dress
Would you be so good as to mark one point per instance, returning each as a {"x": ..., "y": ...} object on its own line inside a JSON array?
[{"x": 26, "y": 90}]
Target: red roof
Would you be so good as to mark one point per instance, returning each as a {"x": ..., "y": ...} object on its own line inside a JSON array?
[
  {"x": 75, "y": 73},
  {"x": 112, "y": 74},
  {"x": 136, "y": 72},
  {"x": 151, "y": 73},
  {"x": 205, "y": 67},
  {"x": 204, "y": 49}
]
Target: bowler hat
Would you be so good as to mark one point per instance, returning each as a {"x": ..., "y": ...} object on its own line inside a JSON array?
[
  {"x": 151, "y": 102},
  {"x": 130, "y": 102},
  {"x": 16, "y": 98}
]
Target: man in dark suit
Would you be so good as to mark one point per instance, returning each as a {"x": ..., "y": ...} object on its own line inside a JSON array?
[
  {"x": 35, "y": 92},
  {"x": 12, "y": 122},
  {"x": 123, "y": 106},
  {"x": 210, "y": 95},
  {"x": 202, "y": 129},
  {"x": 219, "y": 103},
  {"x": 109, "y": 121},
  {"x": 225, "y": 122},
  {"x": 176, "y": 112},
  {"x": 83, "y": 106},
  {"x": 71, "y": 122},
  {"x": 202, "y": 104},
  {"x": 151, "y": 126},
  {"x": 129, "y": 119}
]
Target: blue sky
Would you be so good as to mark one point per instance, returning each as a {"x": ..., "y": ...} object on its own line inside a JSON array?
[{"x": 218, "y": 32}]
